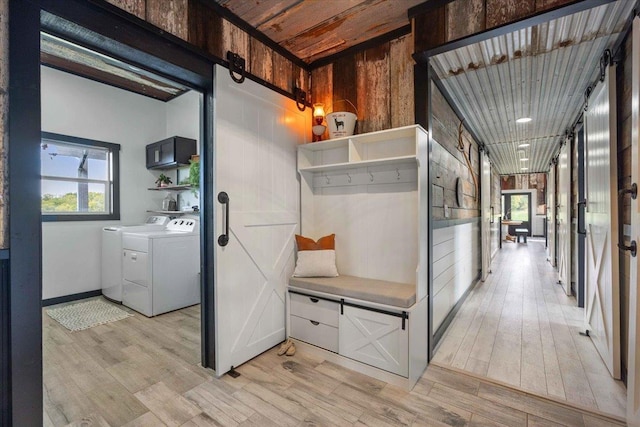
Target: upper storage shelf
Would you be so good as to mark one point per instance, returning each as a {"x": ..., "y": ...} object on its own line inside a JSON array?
[{"x": 388, "y": 147}]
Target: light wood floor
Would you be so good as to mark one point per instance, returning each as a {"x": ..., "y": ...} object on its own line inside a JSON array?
[
  {"x": 520, "y": 328},
  {"x": 144, "y": 372}
]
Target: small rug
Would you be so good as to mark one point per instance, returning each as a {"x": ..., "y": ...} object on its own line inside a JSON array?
[{"x": 85, "y": 315}]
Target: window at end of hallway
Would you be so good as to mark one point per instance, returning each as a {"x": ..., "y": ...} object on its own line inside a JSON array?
[{"x": 79, "y": 179}]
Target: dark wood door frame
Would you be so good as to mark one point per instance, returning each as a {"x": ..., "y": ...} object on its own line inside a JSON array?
[{"x": 123, "y": 37}]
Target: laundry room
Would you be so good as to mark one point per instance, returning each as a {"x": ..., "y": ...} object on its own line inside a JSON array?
[{"x": 118, "y": 178}]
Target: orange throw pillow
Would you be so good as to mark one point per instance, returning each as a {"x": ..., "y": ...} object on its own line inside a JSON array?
[{"x": 323, "y": 243}]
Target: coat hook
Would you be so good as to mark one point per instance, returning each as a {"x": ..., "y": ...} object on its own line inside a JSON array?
[
  {"x": 398, "y": 172},
  {"x": 327, "y": 178},
  {"x": 349, "y": 177},
  {"x": 370, "y": 177}
]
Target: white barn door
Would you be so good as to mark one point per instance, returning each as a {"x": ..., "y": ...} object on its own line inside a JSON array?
[
  {"x": 602, "y": 290},
  {"x": 633, "y": 368},
  {"x": 564, "y": 218},
  {"x": 485, "y": 199},
  {"x": 551, "y": 216},
  {"x": 257, "y": 132}
]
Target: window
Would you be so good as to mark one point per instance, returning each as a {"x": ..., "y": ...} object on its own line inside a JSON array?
[{"x": 79, "y": 179}]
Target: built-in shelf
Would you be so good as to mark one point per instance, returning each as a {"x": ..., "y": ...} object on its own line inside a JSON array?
[
  {"x": 171, "y": 188},
  {"x": 361, "y": 164}
]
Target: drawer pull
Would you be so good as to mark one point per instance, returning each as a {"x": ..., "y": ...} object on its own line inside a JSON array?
[
  {"x": 314, "y": 323},
  {"x": 314, "y": 300}
]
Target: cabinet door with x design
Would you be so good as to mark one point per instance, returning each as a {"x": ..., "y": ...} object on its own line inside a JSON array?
[{"x": 377, "y": 339}]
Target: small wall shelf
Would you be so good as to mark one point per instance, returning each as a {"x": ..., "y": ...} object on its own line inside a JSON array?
[{"x": 171, "y": 188}]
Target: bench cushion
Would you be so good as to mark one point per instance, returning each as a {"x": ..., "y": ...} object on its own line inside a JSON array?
[{"x": 379, "y": 291}]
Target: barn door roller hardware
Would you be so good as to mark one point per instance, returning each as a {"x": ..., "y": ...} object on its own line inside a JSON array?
[
  {"x": 605, "y": 61},
  {"x": 301, "y": 97},
  {"x": 236, "y": 66}
]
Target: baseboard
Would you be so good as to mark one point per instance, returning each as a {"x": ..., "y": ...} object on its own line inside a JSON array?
[
  {"x": 69, "y": 298},
  {"x": 452, "y": 314}
]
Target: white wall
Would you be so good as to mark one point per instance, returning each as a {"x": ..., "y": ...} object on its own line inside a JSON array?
[
  {"x": 79, "y": 107},
  {"x": 456, "y": 266},
  {"x": 183, "y": 119}
]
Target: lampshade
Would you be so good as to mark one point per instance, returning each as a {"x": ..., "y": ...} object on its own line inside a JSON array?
[{"x": 318, "y": 110}]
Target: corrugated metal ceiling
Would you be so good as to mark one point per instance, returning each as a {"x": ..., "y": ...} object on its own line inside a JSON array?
[{"x": 540, "y": 72}]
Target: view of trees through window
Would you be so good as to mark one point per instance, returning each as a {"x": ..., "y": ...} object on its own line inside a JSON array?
[
  {"x": 76, "y": 176},
  {"x": 520, "y": 207}
]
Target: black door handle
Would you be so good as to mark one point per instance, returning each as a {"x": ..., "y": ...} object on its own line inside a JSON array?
[
  {"x": 492, "y": 221},
  {"x": 581, "y": 232},
  {"x": 223, "y": 198},
  {"x": 633, "y": 248}
]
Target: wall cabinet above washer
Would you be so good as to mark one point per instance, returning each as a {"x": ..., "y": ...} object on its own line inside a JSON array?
[{"x": 170, "y": 153}]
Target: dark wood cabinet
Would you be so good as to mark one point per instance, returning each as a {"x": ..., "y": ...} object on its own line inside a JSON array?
[{"x": 170, "y": 152}]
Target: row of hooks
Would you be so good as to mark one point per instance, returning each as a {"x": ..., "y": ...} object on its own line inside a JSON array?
[{"x": 371, "y": 178}]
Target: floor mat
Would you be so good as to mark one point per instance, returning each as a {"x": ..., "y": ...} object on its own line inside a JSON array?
[{"x": 85, "y": 315}]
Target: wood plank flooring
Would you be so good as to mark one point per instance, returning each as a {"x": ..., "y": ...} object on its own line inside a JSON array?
[
  {"x": 144, "y": 372},
  {"x": 520, "y": 328}
]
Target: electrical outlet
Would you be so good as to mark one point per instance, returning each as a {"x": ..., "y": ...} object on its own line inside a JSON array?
[{"x": 446, "y": 211}]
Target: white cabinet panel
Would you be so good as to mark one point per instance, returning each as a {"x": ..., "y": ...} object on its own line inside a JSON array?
[{"x": 376, "y": 339}]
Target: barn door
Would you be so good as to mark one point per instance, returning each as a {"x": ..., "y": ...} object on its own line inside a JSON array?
[
  {"x": 551, "y": 217},
  {"x": 633, "y": 368},
  {"x": 485, "y": 198},
  {"x": 602, "y": 290},
  {"x": 564, "y": 218},
  {"x": 256, "y": 136}
]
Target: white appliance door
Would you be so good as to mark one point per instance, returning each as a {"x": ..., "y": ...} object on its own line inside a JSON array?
[
  {"x": 564, "y": 218},
  {"x": 551, "y": 217},
  {"x": 633, "y": 368},
  {"x": 257, "y": 132},
  {"x": 485, "y": 196},
  {"x": 602, "y": 290}
]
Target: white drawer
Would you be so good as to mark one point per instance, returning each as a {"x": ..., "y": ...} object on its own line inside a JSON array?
[
  {"x": 317, "y": 309},
  {"x": 314, "y": 333}
]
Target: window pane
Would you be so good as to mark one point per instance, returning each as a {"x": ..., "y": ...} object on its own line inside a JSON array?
[
  {"x": 72, "y": 161},
  {"x": 62, "y": 196},
  {"x": 520, "y": 207}
]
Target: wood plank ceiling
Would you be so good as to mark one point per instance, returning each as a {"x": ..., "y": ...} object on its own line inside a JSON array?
[
  {"x": 315, "y": 29},
  {"x": 540, "y": 72}
]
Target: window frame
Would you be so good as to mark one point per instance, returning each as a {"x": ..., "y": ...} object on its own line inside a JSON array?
[{"x": 114, "y": 181}]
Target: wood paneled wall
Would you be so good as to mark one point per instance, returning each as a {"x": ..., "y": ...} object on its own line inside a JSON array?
[
  {"x": 462, "y": 18},
  {"x": 199, "y": 24},
  {"x": 4, "y": 123},
  {"x": 378, "y": 81},
  {"x": 448, "y": 163}
]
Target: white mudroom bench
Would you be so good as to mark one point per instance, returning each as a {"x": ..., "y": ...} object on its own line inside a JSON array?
[{"x": 365, "y": 324}]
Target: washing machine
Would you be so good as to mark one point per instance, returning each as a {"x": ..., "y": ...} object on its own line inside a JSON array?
[
  {"x": 111, "y": 271},
  {"x": 160, "y": 269}
]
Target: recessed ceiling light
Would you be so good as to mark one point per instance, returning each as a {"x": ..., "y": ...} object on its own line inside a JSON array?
[
  {"x": 524, "y": 169},
  {"x": 523, "y": 120},
  {"x": 524, "y": 159},
  {"x": 523, "y": 145}
]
